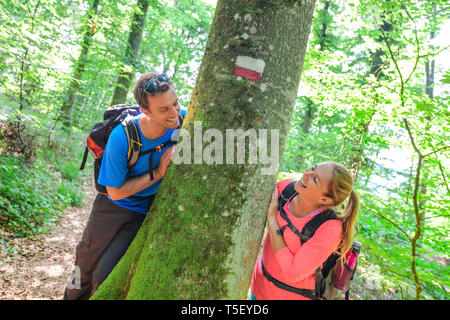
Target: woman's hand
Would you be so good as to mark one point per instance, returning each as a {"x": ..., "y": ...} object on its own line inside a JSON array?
[
  {"x": 276, "y": 239},
  {"x": 273, "y": 210}
]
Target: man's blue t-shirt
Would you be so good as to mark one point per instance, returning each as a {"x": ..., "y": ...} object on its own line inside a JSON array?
[{"x": 114, "y": 168}]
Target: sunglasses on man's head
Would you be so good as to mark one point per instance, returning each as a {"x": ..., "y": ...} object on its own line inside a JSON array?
[{"x": 152, "y": 86}]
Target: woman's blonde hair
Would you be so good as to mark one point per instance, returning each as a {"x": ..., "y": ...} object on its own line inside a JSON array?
[{"x": 341, "y": 187}]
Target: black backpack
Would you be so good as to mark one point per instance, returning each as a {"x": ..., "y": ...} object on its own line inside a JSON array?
[
  {"x": 98, "y": 137},
  {"x": 332, "y": 276}
]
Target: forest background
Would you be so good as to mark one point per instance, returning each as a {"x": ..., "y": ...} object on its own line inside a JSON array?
[{"x": 373, "y": 95}]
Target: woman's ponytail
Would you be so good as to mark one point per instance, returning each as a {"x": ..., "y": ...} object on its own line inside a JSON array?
[
  {"x": 348, "y": 219},
  {"x": 341, "y": 187}
]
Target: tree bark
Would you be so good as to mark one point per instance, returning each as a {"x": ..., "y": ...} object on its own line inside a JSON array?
[
  {"x": 308, "y": 118},
  {"x": 429, "y": 74},
  {"x": 202, "y": 236},
  {"x": 23, "y": 62},
  {"x": 357, "y": 158},
  {"x": 429, "y": 90},
  {"x": 323, "y": 33},
  {"x": 67, "y": 106},
  {"x": 376, "y": 67},
  {"x": 429, "y": 65},
  {"x": 417, "y": 214},
  {"x": 134, "y": 42}
]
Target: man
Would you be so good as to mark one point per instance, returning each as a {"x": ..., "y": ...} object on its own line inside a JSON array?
[{"x": 116, "y": 218}]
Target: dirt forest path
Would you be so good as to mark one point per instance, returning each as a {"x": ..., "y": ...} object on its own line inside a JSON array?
[{"x": 38, "y": 267}]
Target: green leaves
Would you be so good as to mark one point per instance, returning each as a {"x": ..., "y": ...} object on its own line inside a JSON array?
[
  {"x": 35, "y": 191},
  {"x": 359, "y": 82},
  {"x": 446, "y": 77},
  {"x": 364, "y": 73}
]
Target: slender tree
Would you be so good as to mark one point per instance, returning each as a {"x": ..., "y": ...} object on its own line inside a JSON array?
[
  {"x": 202, "y": 235},
  {"x": 23, "y": 64},
  {"x": 89, "y": 29},
  {"x": 377, "y": 66},
  {"x": 131, "y": 53},
  {"x": 429, "y": 91},
  {"x": 320, "y": 26},
  {"x": 325, "y": 21}
]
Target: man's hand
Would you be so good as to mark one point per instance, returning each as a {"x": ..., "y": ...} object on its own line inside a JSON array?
[
  {"x": 160, "y": 172},
  {"x": 136, "y": 184}
]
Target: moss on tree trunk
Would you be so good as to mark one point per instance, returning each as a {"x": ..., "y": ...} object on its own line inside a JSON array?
[{"x": 202, "y": 235}]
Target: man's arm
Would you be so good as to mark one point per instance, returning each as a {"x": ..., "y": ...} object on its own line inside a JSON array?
[{"x": 136, "y": 184}]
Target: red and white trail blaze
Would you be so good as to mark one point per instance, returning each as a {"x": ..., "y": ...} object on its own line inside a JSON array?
[{"x": 249, "y": 68}]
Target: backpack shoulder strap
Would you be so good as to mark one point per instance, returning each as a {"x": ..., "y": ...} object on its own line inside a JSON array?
[
  {"x": 83, "y": 163},
  {"x": 307, "y": 232},
  {"x": 312, "y": 225},
  {"x": 181, "y": 118},
  {"x": 286, "y": 194},
  {"x": 133, "y": 139}
]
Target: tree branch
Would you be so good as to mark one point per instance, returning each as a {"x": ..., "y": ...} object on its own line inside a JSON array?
[
  {"x": 416, "y": 40},
  {"x": 436, "y": 151},
  {"x": 402, "y": 83},
  {"x": 416, "y": 212},
  {"x": 391, "y": 222},
  {"x": 412, "y": 138},
  {"x": 439, "y": 162},
  {"x": 434, "y": 53}
]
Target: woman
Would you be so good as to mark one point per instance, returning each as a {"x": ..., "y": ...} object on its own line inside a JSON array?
[{"x": 323, "y": 186}]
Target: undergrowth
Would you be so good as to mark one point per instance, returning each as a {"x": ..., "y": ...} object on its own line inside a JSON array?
[{"x": 39, "y": 174}]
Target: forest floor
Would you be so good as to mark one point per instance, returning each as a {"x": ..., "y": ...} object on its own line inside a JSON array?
[{"x": 38, "y": 267}]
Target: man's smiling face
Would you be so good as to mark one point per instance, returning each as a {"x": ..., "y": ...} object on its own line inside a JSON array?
[{"x": 164, "y": 109}]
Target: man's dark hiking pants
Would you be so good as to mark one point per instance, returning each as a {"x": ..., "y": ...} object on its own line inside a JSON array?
[{"x": 107, "y": 236}]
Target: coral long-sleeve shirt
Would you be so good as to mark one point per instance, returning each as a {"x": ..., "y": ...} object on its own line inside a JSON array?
[{"x": 295, "y": 264}]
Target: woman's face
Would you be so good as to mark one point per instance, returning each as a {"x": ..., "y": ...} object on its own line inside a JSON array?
[{"x": 314, "y": 183}]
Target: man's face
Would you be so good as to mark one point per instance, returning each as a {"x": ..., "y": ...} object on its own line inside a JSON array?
[{"x": 163, "y": 109}]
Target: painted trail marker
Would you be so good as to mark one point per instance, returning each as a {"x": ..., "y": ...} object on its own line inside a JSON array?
[{"x": 249, "y": 68}]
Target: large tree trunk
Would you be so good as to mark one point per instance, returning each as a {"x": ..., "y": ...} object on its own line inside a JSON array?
[
  {"x": 202, "y": 235},
  {"x": 67, "y": 106},
  {"x": 134, "y": 42}
]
